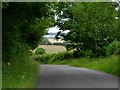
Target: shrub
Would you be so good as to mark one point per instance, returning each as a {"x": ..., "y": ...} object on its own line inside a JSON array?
[
  {"x": 68, "y": 55},
  {"x": 61, "y": 56},
  {"x": 113, "y": 48},
  {"x": 78, "y": 54},
  {"x": 42, "y": 58},
  {"x": 47, "y": 58},
  {"x": 39, "y": 51},
  {"x": 89, "y": 53},
  {"x": 57, "y": 57},
  {"x": 100, "y": 52}
]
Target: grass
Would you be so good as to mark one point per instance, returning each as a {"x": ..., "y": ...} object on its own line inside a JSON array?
[
  {"x": 108, "y": 64},
  {"x": 20, "y": 74},
  {"x": 0, "y": 75}
]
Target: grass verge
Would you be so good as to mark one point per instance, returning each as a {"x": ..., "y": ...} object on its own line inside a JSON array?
[
  {"x": 108, "y": 64},
  {"x": 20, "y": 74}
]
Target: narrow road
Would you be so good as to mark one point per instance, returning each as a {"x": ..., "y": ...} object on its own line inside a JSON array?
[{"x": 64, "y": 76}]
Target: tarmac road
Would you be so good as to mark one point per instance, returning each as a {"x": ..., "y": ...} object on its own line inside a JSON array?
[{"x": 64, "y": 76}]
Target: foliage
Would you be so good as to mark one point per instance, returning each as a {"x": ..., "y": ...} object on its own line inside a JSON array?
[
  {"x": 92, "y": 25},
  {"x": 40, "y": 51},
  {"x": 20, "y": 74},
  {"x": 5, "y": 5},
  {"x": 113, "y": 48},
  {"x": 23, "y": 25},
  {"x": 47, "y": 58},
  {"x": 89, "y": 53},
  {"x": 61, "y": 56},
  {"x": 79, "y": 54},
  {"x": 42, "y": 58}
]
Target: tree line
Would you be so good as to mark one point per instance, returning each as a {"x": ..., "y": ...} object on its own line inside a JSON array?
[
  {"x": 93, "y": 26},
  {"x": 23, "y": 25}
]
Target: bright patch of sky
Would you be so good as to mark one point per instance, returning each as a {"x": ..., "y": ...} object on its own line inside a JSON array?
[
  {"x": 116, "y": 17},
  {"x": 56, "y": 29},
  {"x": 66, "y": 19},
  {"x": 53, "y": 29},
  {"x": 66, "y": 31},
  {"x": 56, "y": 17},
  {"x": 116, "y": 8}
]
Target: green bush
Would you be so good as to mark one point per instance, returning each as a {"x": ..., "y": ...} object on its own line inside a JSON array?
[
  {"x": 42, "y": 58},
  {"x": 40, "y": 51},
  {"x": 100, "y": 52},
  {"x": 78, "y": 54},
  {"x": 113, "y": 48},
  {"x": 47, "y": 58},
  {"x": 58, "y": 57},
  {"x": 68, "y": 55},
  {"x": 61, "y": 56},
  {"x": 89, "y": 53}
]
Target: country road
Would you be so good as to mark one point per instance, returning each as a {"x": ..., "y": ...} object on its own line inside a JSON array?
[{"x": 64, "y": 76}]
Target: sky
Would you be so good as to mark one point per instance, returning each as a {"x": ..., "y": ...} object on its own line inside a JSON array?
[
  {"x": 53, "y": 29},
  {"x": 56, "y": 29}
]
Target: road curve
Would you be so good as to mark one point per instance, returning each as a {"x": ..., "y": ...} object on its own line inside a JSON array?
[{"x": 64, "y": 76}]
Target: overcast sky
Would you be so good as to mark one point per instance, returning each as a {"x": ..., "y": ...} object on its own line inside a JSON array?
[
  {"x": 53, "y": 29},
  {"x": 56, "y": 29}
]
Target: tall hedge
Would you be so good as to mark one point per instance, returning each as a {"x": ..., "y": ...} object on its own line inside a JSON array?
[{"x": 23, "y": 26}]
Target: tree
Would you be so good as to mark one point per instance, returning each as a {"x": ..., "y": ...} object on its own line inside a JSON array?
[
  {"x": 23, "y": 27},
  {"x": 92, "y": 25}
]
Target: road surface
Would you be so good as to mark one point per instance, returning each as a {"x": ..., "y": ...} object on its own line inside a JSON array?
[{"x": 64, "y": 76}]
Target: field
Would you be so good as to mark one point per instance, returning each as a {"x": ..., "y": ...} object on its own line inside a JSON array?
[{"x": 50, "y": 49}]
